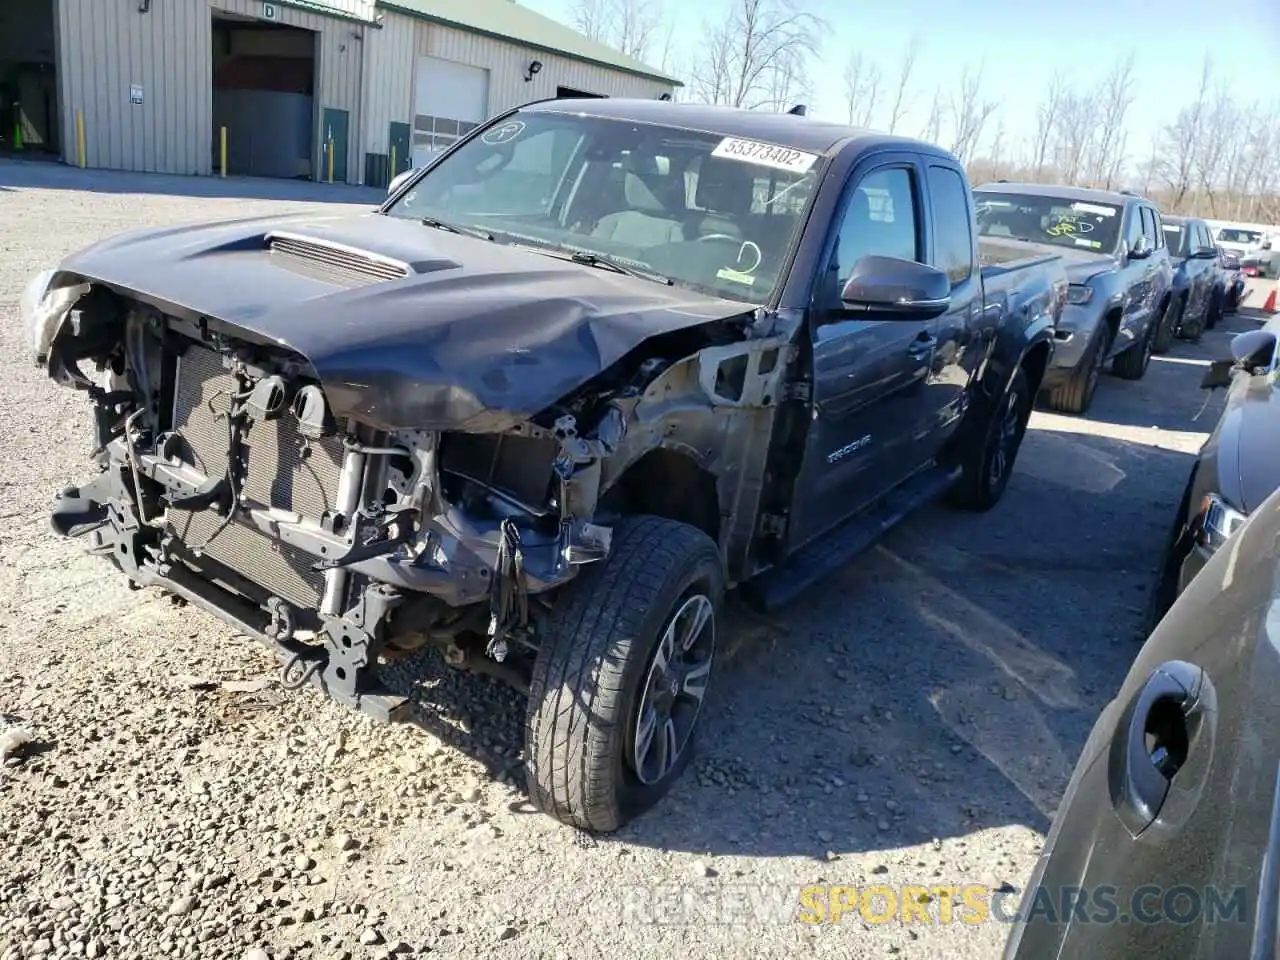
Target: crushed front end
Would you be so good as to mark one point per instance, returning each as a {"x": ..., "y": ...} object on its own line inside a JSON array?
[{"x": 225, "y": 477}]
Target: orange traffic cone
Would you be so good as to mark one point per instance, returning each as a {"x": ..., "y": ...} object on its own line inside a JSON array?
[{"x": 1270, "y": 305}]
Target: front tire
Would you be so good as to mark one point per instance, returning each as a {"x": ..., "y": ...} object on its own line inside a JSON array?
[
  {"x": 1170, "y": 319},
  {"x": 1133, "y": 363},
  {"x": 986, "y": 470},
  {"x": 619, "y": 680},
  {"x": 1076, "y": 394},
  {"x": 1217, "y": 308}
]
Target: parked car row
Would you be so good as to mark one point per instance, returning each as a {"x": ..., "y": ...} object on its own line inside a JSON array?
[{"x": 1138, "y": 278}]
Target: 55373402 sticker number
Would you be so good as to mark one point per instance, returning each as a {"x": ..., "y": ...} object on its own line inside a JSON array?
[{"x": 764, "y": 154}]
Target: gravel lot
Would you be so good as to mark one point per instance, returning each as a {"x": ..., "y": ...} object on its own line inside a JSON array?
[{"x": 914, "y": 721}]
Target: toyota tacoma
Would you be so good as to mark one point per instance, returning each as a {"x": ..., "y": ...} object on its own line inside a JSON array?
[{"x": 597, "y": 364}]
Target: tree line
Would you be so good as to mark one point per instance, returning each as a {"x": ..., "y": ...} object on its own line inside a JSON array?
[{"x": 1216, "y": 157}]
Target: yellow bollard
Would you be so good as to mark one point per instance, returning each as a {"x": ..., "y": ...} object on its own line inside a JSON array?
[
  {"x": 80, "y": 151},
  {"x": 223, "y": 152},
  {"x": 331, "y": 160}
]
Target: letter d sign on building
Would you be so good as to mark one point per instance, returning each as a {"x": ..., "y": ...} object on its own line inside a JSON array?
[{"x": 268, "y": 11}]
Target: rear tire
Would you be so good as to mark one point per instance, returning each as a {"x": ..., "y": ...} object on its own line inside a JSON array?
[
  {"x": 1076, "y": 394},
  {"x": 1171, "y": 316},
  {"x": 985, "y": 470},
  {"x": 1217, "y": 308},
  {"x": 1133, "y": 363},
  {"x": 594, "y": 692}
]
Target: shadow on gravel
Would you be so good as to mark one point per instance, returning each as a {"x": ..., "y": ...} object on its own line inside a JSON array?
[{"x": 32, "y": 175}]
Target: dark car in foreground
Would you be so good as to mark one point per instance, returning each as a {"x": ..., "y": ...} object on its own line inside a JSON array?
[
  {"x": 1120, "y": 273},
  {"x": 599, "y": 362},
  {"x": 1237, "y": 468},
  {"x": 1199, "y": 286},
  {"x": 1167, "y": 840}
]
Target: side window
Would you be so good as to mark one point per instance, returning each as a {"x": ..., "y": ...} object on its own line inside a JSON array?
[
  {"x": 880, "y": 220},
  {"x": 952, "y": 224},
  {"x": 1149, "y": 228},
  {"x": 1133, "y": 229}
]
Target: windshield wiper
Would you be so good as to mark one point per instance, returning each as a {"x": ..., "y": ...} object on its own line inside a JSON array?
[
  {"x": 605, "y": 262},
  {"x": 454, "y": 228}
]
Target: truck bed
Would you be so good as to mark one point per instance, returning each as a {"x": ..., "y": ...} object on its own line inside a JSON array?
[
  {"x": 1019, "y": 278},
  {"x": 1001, "y": 256}
]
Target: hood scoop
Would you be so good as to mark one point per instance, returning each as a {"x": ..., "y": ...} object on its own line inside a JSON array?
[{"x": 333, "y": 262}]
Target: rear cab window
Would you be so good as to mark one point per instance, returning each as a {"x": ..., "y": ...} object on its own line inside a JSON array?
[{"x": 952, "y": 224}]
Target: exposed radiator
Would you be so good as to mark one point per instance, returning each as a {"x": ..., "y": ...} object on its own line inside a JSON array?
[{"x": 282, "y": 472}]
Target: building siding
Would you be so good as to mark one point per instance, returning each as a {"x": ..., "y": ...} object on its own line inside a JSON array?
[
  {"x": 390, "y": 55},
  {"x": 508, "y": 63},
  {"x": 105, "y": 46}
]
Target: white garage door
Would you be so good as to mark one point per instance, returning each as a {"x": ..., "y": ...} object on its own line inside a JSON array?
[{"x": 448, "y": 100}]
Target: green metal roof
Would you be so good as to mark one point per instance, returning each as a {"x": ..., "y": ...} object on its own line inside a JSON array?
[{"x": 507, "y": 20}]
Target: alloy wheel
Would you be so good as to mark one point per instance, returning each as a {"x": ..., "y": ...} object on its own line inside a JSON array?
[
  {"x": 1006, "y": 439},
  {"x": 674, "y": 689}
]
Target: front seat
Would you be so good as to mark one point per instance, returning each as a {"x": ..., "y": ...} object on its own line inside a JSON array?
[
  {"x": 644, "y": 225},
  {"x": 724, "y": 191}
]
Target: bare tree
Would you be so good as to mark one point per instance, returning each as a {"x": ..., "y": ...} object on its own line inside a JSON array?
[
  {"x": 1182, "y": 140},
  {"x": 1074, "y": 133},
  {"x": 628, "y": 26},
  {"x": 997, "y": 150},
  {"x": 903, "y": 95},
  {"x": 861, "y": 89},
  {"x": 932, "y": 131},
  {"x": 1113, "y": 99},
  {"x": 757, "y": 57},
  {"x": 969, "y": 112},
  {"x": 1047, "y": 122}
]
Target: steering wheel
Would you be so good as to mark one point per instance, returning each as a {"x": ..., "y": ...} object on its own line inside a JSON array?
[{"x": 718, "y": 236}]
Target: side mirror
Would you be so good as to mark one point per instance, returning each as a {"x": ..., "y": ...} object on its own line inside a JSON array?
[
  {"x": 1141, "y": 249},
  {"x": 1205, "y": 253},
  {"x": 897, "y": 286},
  {"x": 399, "y": 180}
]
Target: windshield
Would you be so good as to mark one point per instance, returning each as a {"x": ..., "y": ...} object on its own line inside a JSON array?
[
  {"x": 1065, "y": 223},
  {"x": 711, "y": 213},
  {"x": 1174, "y": 238},
  {"x": 1240, "y": 236}
]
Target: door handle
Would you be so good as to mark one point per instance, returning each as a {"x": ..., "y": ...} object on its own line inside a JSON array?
[
  {"x": 922, "y": 346},
  {"x": 1155, "y": 739}
]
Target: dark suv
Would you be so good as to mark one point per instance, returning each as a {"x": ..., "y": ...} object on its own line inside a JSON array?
[
  {"x": 1120, "y": 271},
  {"x": 1198, "y": 279}
]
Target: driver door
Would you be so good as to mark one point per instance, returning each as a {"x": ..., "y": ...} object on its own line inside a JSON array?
[{"x": 871, "y": 416}]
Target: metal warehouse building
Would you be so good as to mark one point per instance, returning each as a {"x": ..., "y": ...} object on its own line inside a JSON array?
[{"x": 355, "y": 90}]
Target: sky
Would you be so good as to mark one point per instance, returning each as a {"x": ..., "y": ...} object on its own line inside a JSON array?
[{"x": 1020, "y": 43}]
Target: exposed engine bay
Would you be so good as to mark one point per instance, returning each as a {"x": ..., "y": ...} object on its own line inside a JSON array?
[{"x": 227, "y": 479}]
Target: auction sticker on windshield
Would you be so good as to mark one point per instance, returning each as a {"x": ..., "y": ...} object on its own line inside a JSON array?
[
  {"x": 764, "y": 154},
  {"x": 1094, "y": 208}
]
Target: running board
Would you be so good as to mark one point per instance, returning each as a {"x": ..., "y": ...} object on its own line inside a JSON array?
[{"x": 832, "y": 551}]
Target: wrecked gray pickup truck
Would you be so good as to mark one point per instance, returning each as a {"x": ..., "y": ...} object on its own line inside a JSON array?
[{"x": 598, "y": 363}]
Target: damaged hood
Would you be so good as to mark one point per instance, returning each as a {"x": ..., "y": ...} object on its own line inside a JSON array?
[{"x": 475, "y": 335}]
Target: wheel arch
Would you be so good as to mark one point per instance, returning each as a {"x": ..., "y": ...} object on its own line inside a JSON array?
[{"x": 670, "y": 483}]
